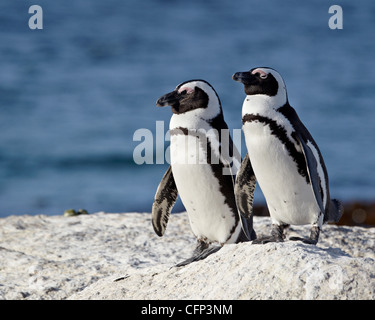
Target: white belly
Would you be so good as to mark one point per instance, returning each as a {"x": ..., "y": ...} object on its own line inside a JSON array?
[
  {"x": 210, "y": 217},
  {"x": 290, "y": 199}
]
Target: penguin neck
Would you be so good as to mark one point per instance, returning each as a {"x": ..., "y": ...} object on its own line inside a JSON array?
[
  {"x": 262, "y": 104},
  {"x": 189, "y": 121},
  {"x": 195, "y": 119}
]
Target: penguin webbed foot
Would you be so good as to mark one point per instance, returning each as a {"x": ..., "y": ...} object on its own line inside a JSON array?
[
  {"x": 277, "y": 235},
  {"x": 264, "y": 240},
  {"x": 313, "y": 239},
  {"x": 304, "y": 240},
  {"x": 199, "y": 256}
]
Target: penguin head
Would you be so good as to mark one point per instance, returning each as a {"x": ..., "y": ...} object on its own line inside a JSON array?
[
  {"x": 263, "y": 81},
  {"x": 196, "y": 97}
]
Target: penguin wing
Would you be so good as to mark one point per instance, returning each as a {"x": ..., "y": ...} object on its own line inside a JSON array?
[
  {"x": 312, "y": 170},
  {"x": 165, "y": 198},
  {"x": 244, "y": 188}
]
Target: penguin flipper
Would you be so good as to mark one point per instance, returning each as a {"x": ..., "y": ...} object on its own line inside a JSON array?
[
  {"x": 312, "y": 170},
  {"x": 165, "y": 198},
  {"x": 244, "y": 188}
]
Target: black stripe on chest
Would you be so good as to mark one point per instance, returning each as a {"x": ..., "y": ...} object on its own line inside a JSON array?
[{"x": 280, "y": 132}]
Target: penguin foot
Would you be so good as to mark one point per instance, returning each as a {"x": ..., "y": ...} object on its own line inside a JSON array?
[
  {"x": 264, "y": 240},
  {"x": 277, "y": 235},
  {"x": 202, "y": 255},
  {"x": 314, "y": 236},
  {"x": 201, "y": 246},
  {"x": 304, "y": 240}
]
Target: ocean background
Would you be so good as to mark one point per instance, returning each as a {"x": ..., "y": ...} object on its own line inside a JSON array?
[{"x": 73, "y": 94}]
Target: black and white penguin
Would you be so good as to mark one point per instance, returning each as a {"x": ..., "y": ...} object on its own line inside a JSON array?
[
  {"x": 203, "y": 162},
  {"x": 286, "y": 160}
]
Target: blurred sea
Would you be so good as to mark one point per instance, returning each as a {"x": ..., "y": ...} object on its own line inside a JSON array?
[{"x": 73, "y": 94}]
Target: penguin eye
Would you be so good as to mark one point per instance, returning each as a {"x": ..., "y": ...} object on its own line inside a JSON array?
[
  {"x": 263, "y": 75},
  {"x": 185, "y": 90}
]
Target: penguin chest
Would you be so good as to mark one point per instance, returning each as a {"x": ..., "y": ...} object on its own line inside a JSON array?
[
  {"x": 210, "y": 216},
  {"x": 289, "y": 197}
]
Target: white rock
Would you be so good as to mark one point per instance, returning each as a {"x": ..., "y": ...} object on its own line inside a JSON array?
[
  {"x": 56, "y": 257},
  {"x": 244, "y": 271}
]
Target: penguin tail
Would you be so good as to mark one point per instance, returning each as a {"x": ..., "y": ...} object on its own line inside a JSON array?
[{"x": 335, "y": 211}]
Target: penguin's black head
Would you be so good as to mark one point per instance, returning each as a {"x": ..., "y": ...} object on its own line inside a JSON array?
[
  {"x": 265, "y": 81},
  {"x": 190, "y": 95}
]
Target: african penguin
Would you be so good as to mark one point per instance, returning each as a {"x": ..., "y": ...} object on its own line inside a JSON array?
[
  {"x": 203, "y": 162},
  {"x": 286, "y": 160}
]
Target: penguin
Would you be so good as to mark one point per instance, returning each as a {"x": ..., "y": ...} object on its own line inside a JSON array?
[
  {"x": 286, "y": 160},
  {"x": 203, "y": 162}
]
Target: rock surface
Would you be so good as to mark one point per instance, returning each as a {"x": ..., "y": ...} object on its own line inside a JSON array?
[{"x": 56, "y": 257}]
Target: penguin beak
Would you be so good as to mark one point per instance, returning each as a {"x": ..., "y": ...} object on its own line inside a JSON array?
[
  {"x": 246, "y": 78},
  {"x": 168, "y": 99}
]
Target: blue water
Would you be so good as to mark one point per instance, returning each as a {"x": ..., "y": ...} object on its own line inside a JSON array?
[{"x": 73, "y": 94}]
